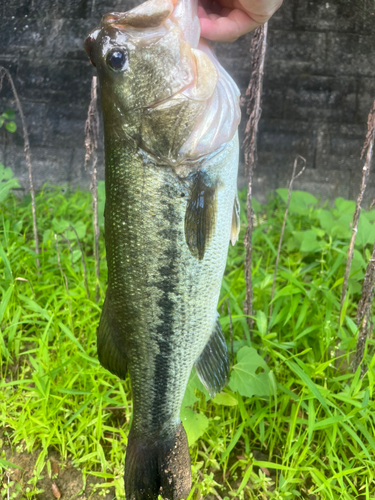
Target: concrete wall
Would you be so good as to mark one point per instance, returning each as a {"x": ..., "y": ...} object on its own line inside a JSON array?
[{"x": 318, "y": 89}]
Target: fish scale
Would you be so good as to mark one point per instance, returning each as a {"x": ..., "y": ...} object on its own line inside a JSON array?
[{"x": 170, "y": 114}]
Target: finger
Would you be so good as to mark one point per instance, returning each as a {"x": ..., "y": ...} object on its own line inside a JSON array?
[
  {"x": 202, "y": 13},
  {"x": 259, "y": 10},
  {"x": 227, "y": 29}
]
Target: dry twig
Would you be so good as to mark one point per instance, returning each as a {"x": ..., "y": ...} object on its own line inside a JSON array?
[
  {"x": 364, "y": 312},
  {"x": 26, "y": 147},
  {"x": 91, "y": 145},
  {"x": 368, "y": 287},
  {"x": 366, "y": 151},
  {"x": 254, "y": 94},
  {"x": 294, "y": 177},
  {"x": 56, "y": 491}
]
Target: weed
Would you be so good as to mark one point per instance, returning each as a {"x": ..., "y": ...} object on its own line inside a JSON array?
[{"x": 294, "y": 422}]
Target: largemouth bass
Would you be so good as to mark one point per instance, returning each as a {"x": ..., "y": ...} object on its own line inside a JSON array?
[{"x": 170, "y": 115}]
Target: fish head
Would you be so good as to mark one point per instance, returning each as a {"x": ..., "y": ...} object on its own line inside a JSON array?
[{"x": 156, "y": 79}]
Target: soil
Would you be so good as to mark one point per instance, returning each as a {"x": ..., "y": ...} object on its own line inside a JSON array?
[{"x": 65, "y": 483}]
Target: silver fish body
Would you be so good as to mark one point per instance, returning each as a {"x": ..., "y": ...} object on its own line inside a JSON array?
[{"x": 171, "y": 208}]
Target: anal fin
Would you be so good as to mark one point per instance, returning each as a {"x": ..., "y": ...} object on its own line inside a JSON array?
[
  {"x": 236, "y": 221},
  {"x": 212, "y": 366},
  {"x": 111, "y": 351}
]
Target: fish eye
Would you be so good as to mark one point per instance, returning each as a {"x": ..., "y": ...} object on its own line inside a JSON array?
[{"x": 117, "y": 59}]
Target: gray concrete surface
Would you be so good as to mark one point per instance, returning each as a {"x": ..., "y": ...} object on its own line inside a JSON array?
[{"x": 319, "y": 86}]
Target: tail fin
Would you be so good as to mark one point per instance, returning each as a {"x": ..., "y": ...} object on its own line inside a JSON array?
[{"x": 155, "y": 468}]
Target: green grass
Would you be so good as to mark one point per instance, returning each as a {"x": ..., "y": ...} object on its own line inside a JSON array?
[{"x": 295, "y": 422}]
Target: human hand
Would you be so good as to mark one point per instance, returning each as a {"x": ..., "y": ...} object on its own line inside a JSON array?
[{"x": 227, "y": 20}]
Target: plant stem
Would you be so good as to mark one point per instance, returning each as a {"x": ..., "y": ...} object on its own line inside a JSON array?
[
  {"x": 254, "y": 93},
  {"x": 367, "y": 150},
  {"x": 368, "y": 287},
  {"x": 363, "y": 312},
  {"x": 91, "y": 144},
  {"x": 26, "y": 148}
]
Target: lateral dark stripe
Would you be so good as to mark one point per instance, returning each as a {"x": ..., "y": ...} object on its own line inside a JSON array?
[{"x": 168, "y": 283}]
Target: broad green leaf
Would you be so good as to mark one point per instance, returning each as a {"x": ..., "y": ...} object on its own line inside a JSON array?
[
  {"x": 11, "y": 127},
  {"x": 194, "y": 383},
  {"x": 76, "y": 255},
  {"x": 345, "y": 206},
  {"x": 365, "y": 233},
  {"x": 8, "y": 114},
  {"x": 319, "y": 232},
  {"x": 7, "y": 182},
  {"x": 358, "y": 264},
  {"x": 337, "y": 227},
  {"x": 308, "y": 241},
  {"x": 64, "y": 226},
  {"x": 194, "y": 423},
  {"x": 370, "y": 215},
  {"x": 261, "y": 321},
  {"x": 5, "y": 187},
  {"x": 326, "y": 220},
  {"x": 225, "y": 399},
  {"x": 5, "y": 173},
  {"x": 244, "y": 378},
  {"x": 300, "y": 201}
]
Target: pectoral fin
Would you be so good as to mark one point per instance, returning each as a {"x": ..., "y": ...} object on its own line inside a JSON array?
[
  {"x": 111, "y": 351},
  {"x": 236, "y": 222},
  {"x": 212, "y": 366},
  {"x": 200, "y": 217}
]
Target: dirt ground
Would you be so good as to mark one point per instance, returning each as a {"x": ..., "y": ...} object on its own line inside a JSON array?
[{"x": 65, "y": 482}]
